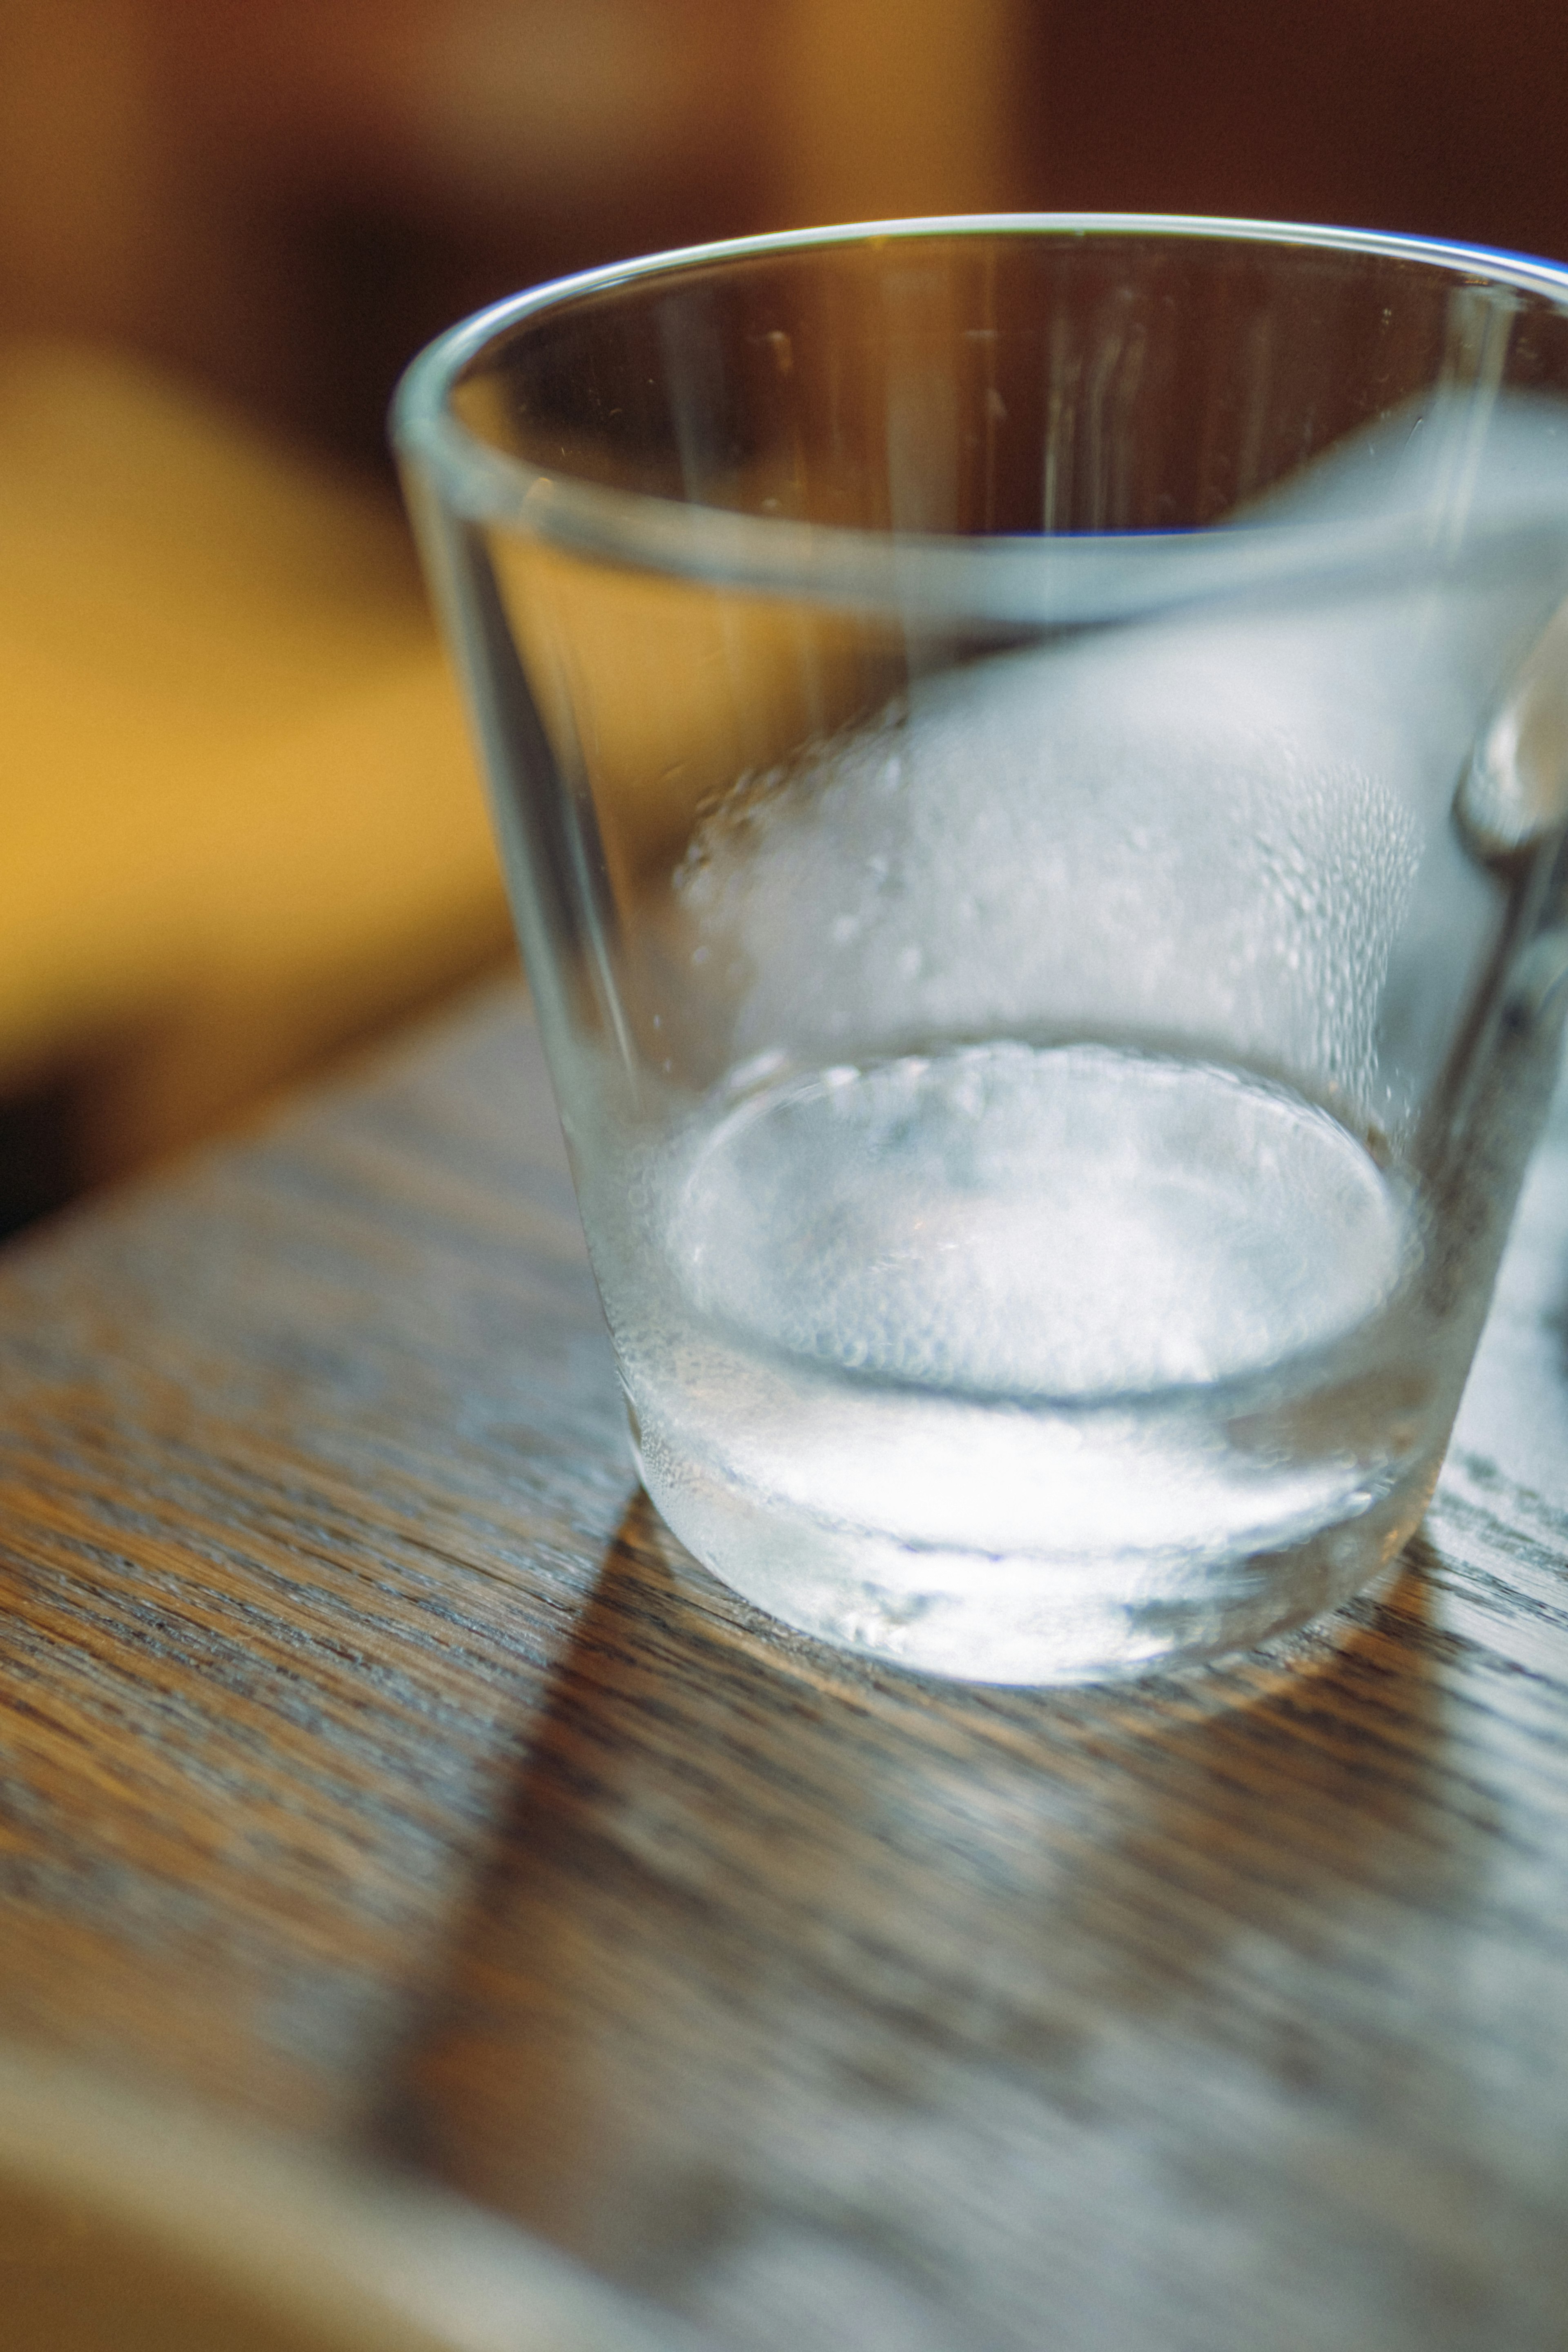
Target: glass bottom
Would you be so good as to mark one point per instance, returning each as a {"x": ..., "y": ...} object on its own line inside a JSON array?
[{"x": 1022, "y": 1617}]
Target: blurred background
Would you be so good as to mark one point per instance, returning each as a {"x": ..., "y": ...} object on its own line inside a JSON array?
[{"x": 241, "y": 826}]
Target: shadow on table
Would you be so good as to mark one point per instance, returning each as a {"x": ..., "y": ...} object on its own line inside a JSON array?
[{"x": 831, "y": 2005}]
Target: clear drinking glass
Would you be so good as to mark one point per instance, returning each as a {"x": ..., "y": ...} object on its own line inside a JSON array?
[{"x": 1031, "y": 758}]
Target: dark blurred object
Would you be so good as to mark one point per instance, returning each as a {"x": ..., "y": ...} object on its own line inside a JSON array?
[
  {"x": 1431, "y": 116},
  {"x": 284, "y": 199},
  {"x": 39, "y": 1161},
  {"x": 393, "y": 164}
]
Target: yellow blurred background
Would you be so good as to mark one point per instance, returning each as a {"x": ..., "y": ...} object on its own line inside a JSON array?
[{"x": 241, "y": 823}]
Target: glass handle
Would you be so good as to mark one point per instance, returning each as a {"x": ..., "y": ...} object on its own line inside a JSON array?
[{"x": 1514, "y": 791}]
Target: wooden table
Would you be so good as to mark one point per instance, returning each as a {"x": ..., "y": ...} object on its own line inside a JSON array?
[{"x": 374, "y": 1764}]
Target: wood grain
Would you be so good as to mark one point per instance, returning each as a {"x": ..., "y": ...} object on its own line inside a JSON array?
[{"x": 372, "y": 1761}]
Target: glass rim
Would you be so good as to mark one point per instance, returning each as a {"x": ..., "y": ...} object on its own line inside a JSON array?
[{"x": 1027, "y": 578}]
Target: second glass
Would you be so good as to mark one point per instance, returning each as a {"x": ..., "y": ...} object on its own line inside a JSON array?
[{"x": 1031, "y": 759}]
